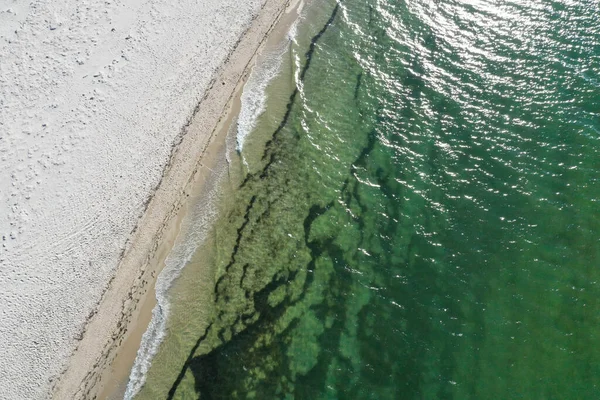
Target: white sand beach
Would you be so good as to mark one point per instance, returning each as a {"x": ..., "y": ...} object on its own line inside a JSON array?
[{"x": 105, "y": 110}]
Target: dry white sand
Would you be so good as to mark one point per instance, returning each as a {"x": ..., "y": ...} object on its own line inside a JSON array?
[{"x": 93, "y": 95}]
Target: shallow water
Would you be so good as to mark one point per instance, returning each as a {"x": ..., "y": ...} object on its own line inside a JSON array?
[{"x": 418, "y": 216}]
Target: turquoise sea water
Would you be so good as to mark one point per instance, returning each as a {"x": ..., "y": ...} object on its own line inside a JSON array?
[{"x": 420, "y": 217}]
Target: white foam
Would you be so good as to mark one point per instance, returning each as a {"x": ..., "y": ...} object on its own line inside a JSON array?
[
  {"x": 194, "y": 231},
  {"x": 197, "y": 225},
  {"x": 254, "y": 96}
]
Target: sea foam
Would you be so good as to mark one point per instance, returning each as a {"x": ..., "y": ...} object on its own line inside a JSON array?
[
  {"x": 196, "y": 226},
  {"x": 195, "y": 229},
  {"x": 254, "y": 95}
]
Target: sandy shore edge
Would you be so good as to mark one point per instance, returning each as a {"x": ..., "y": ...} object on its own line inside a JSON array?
[{"x": 143, "y": 257}]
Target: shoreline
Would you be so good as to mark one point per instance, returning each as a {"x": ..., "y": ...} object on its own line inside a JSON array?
[{"x": 113, "y": 331}]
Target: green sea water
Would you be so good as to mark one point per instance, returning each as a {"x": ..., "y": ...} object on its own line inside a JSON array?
[{"x": 417, "y": 215}]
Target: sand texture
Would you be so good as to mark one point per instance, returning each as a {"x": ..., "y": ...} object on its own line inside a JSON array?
[{"x": 96, "y": 101}]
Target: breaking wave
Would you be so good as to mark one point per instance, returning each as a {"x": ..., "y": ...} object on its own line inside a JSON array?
[
  {"x": 254, "y": 96},
  {"x": 195, "y": 228}
]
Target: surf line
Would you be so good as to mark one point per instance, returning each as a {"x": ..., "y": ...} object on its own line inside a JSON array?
[{"x": 283, "y": 123}]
